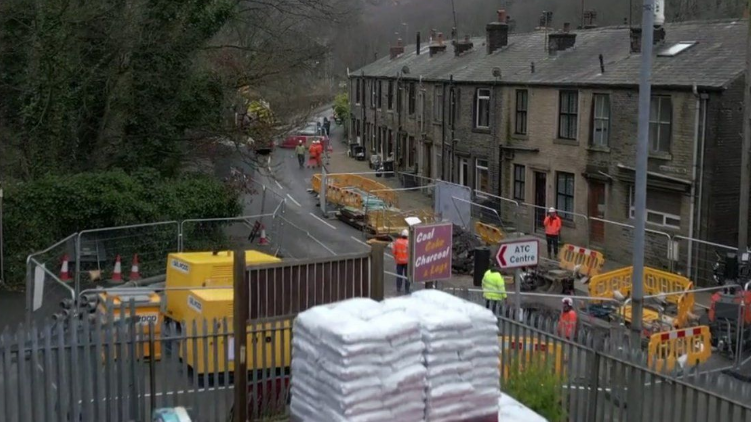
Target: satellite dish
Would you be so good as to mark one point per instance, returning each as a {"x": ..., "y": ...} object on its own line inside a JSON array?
[
  {"x": 497, "y": 72},
  {"x": 405, "y": 70}
]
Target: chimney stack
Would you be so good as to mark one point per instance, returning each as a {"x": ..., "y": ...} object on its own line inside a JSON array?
[
  {"x": 560, "y": 41},
  {"x": 497, "y": 33},
  {"x": 396, "y": 50},
  {"x": 418, "y": 43},
  {"x": 437, "y": 46},
  {"x": 659, "y": 37},
  {"x": 462, "y": 46}
]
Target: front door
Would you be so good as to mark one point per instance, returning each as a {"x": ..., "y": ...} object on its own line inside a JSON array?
[
  {"x": 464, "y": 172},
  {"x": 596, "y": 209},
  {"x": 540, "y": 198}
]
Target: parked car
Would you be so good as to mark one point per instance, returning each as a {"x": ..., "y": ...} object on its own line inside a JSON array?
[{"x": 306, "y": 134}]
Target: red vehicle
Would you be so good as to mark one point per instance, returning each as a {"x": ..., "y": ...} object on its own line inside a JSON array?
[{"x": 307, "y": 134}]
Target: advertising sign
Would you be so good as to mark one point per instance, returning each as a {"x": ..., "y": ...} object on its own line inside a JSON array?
[{"x": 431, "y": 252}]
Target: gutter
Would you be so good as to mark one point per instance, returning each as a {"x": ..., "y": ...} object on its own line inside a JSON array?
[{"x": 657, "y": 175}]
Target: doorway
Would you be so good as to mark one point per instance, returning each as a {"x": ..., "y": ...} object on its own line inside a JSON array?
[
  {"x": 464, "y": 172},
  {"x": 596, "y": 208},
  {"x": 540, "y": 198}
]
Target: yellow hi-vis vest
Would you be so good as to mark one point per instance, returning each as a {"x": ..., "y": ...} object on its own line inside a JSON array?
[{"x": 493, "y": 286}]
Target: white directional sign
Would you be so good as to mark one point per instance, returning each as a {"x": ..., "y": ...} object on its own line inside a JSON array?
[{"x": 516, "y": 254}]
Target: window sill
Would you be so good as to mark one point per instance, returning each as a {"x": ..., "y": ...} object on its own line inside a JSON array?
[
  {"x": 571, "y": 142},
  {"x": 520, "y": 136},
  {"x": 666, "y": 156},
  {"x": 596, "y": 148},
  {"x": 482, "y": 130}
]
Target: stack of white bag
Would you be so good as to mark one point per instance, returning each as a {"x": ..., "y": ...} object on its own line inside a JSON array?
[
  {"x": 480, "y": 351},
  {"x": 353, "y": 361}
]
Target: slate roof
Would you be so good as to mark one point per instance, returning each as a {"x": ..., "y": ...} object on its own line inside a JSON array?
[{"x": 716, "y": 60}]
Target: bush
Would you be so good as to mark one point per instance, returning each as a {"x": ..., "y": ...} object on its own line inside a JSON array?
[
  {"x": 41, "y": 212},
  {"x": 341, "y": 106},
  {"x": 536, "y": 385}
]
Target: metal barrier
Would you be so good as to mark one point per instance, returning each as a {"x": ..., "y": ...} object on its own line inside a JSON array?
[
  {"x": 695, "y": 258},
  {"x": 574, "y": 227},
  {"x": 44, "y": 288},
  {"x": 686, "y": 348},
  {"x": 97, "y": 250},
  {"x": 214, "y": 234}
]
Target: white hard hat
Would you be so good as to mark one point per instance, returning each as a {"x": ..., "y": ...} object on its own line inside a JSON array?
[
  {"x": 568, "y": 301},
  {"x": 551, "y": 209},
  {"x": 405, "y": 233}
]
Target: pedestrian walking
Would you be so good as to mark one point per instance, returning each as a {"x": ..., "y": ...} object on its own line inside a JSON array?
[
  {"x": 567, "y": 323},
  {"x": 493, "y": 289},
  {"x": 552, "y": 225},
  {"x": 326, "y": 126},
  {"x": 314, "y": 160},
  {"x": 300, "y": 150},
  {"x": 400, "y": 250}
]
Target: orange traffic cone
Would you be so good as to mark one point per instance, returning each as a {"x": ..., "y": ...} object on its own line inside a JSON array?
[
  {"x": 263, "y": 240},
  {"x": 64, "y": 270},
  {"x": 117, "y": 275},
  {"x": 134, "y": 273}
]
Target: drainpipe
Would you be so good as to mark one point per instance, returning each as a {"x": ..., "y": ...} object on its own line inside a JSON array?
[
  {"x": 443, "y": 133},
  {"x": 694, "y": 169},
  {"x": 703, "y": 140},
  {"x": 453, "y": 141}
]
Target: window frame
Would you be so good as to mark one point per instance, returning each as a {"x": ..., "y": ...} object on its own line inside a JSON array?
[
  {"x": 479, "y": 168},
  {"x": 479, "y": 99},
  {"x": 373, "y": 93},
  {"x": 411, "y": 99},
  {"x": 664, "y": 215},
  {"x": 438, "y": 103},
  {"x": 390, "y": 95},
  {"x": 563, "y": 211},
  {"x": 660, "y": 123},
  {"x": 520, "y": 185},
  {"x": 604, "y": 141},
  {"x": 521, "y": 114},
  {"x": 571, "y": 117},
  {"x": 358, "y": 81}
]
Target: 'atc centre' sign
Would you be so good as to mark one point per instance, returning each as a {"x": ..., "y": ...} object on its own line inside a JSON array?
[
  {"x": 517, "y": 254},
  {"x": 431, "y": 252}
]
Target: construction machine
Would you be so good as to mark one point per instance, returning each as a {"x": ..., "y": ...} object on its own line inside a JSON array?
[{"x": 198, "y": 289}]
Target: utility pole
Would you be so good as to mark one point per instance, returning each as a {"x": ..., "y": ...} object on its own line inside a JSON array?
[
  {"x": 745, "y": 151},
  {"x": 240, "y": 318},
  {"x": 640, "y": 188}
]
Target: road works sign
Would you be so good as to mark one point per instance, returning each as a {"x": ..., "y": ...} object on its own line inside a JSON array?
[{"x": 520, "y": 253}]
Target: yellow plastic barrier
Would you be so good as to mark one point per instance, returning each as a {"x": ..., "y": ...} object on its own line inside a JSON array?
[
  {"x": 674, "y": 287},
  {"x": 523, "y": 349},
  {"x": 489, "y": 234},
  {"x": 591, "y": 262},
  {"x": 666, "y": 348}
]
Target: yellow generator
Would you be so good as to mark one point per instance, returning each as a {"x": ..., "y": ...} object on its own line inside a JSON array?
[
  {"x": 148, "y": 312},
  {"x": 269, "y": 343},
  {"x": 201, "y": 270}
]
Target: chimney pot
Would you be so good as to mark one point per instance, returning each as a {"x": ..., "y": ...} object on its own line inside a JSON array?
[
  {"x": 566, "y": 27},
  {"x": 502, "y": 18}
]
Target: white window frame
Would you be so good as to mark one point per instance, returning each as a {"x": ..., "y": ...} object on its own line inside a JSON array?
[
  {"x": 601, "y": 120},
  {"x": 482, "y": 97},
  {"x": 438, "y": 103},
  {"x": 478, "y": 169},
  {"x": 656, "y": 117},
  {"x": 665, "y": 216}
]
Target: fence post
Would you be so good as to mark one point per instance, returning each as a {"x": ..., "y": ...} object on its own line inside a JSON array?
[
  {"x": 241, "y": 314},
  {"x": 594, "y": 385},
  {"x": 377, "y": 268}
]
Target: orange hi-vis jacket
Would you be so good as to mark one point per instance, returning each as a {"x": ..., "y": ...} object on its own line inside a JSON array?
[
  {"x": 400, "y": 249},
  {"x": 567, "y": 324},
  {"x": 552, "y": 225}
]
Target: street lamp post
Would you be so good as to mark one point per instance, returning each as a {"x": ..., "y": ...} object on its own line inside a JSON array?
[{"x": 2, "y": 255}]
